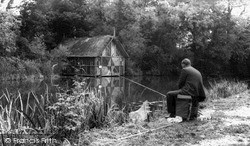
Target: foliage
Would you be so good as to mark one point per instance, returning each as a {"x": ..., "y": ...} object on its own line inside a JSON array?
[
  {"x": 60, "y": 51},
  {"x": 82, "y": 110},
  {"x": 213, "y": 32},
  {"x": 115, "y": 116},
  {"x": 24, "y": 115},
  {"x": 37, "y": 46},
  {"x": 18, "y": 116},
  {"x": 171, "y": 30},
  {"x": 9, "y": 27},
  {"x": 62, "y": 116},
  {"x": 75, "y": 111},
  {"x": 226, "y": 88},
  {"x": 58, "y": 57},
  {"x": 10, "y": 66},
  {"x": 55, "y": 20},
  {"x": 31, "y": 67},
  {"x": 45, "y": 68}
]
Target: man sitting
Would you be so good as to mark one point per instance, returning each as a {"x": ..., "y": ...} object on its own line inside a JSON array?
[{"x": 190, "y": 83}]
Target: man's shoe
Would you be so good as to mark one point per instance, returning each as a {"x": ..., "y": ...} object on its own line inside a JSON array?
[
  {"x": 184, "y": 120},
  {"x": 193, "y": 118},
  {"x": 170, "y": 116}
]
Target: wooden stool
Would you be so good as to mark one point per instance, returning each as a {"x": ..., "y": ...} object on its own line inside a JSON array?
[{"x": 186, "y": 107}]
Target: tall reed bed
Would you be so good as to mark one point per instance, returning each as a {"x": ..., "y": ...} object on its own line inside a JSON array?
[
  {"x": 225, "y": 88},
  {"x": 22, "y": 115},
  {"x": 63, "y": 115}
]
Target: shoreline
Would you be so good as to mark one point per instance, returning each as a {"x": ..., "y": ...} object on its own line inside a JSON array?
[
  {"x": 221, "y": 120},
  {"x": 22, "y": 77}
]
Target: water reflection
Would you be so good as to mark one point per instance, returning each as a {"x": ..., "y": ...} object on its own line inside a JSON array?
[
  {"x": 23, "y": 87},
  {"x": 127, "y": 95}
]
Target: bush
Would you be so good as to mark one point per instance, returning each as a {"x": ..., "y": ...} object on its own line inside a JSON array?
[
  {"x": 11, "y": 66},
  {"x": 46, "y": 68},
  {"x": 115, "y": 116},
  {"x": 226, "y": 88},
  {"x": 81, "y": 110},
  {"x": 58, "y": 58},
  {"x": 31, "y": 67}
]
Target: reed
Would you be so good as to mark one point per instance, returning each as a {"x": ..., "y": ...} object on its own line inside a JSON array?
[
  {"x": 70, "y": 114},
  {"x": 225, "y": 88},
  {"x": 22, "y": 112},
  {"x": 5, "y": 115},
  {"x": 11, "y": 119},
  {"x": 115, "y": 116}
]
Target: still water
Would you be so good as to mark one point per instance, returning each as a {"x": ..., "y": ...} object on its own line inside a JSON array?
[{"x": 117, "y": 90}]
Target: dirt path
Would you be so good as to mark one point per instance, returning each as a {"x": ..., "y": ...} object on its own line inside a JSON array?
[
  {"x": 223, "y": 122},
  {"x": 229, "y": 120}
]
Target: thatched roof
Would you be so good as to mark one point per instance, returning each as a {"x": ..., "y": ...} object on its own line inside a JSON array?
[{"x": 93, "y": 47}]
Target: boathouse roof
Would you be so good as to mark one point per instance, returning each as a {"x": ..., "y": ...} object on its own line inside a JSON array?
[{"x": 93, "y": 47}]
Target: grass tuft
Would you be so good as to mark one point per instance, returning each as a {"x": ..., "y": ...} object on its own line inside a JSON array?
[{"x": 226, "y": 88}]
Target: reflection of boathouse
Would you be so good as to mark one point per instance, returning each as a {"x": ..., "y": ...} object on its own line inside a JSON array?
[
  {"x": 110, "y": 88},
  {"x": 126, "y": 94},
  {"x": 97, "y": 56}
]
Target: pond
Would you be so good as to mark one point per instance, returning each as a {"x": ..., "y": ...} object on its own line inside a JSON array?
[
  {"x": 28, "y": 101},
  {"x": 126, "y": 92}
]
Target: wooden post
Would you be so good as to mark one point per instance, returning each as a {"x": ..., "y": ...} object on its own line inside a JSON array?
[
  {"x": 124, "y": 63},
  {"x": 101, "y": 65},
  {"x": 120, "y": 67}
]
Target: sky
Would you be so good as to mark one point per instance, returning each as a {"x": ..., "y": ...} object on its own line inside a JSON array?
[{"x": 238, "y": 8}]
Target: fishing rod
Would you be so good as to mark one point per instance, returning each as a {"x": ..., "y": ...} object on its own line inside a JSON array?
[{"x": 145, "y": 86}]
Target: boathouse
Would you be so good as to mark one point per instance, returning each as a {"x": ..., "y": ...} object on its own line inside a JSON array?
[{"x": 97, "y": 56}]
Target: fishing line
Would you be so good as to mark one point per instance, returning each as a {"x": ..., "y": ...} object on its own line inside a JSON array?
[{"x": 145, "y": 87}]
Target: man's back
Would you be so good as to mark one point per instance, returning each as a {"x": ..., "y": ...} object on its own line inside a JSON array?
[{"x": 190, "y": 82}]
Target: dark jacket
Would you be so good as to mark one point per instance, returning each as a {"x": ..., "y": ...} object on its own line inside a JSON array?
[{"x": 190, "y": 83}]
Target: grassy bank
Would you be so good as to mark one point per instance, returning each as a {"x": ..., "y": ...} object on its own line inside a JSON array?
[
  {"x": 209, "y": 128},
  {"x": 225, "y": 88},
  {"x": 224, "y": 122}
]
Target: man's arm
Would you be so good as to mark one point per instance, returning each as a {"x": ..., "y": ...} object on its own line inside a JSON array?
[{"x": 182, "y": 79}]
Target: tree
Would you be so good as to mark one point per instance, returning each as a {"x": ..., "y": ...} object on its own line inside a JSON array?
[
  {"x": 171, "y": 30},
  {"x": 9, "y": 26},
  {"x": 55, "y": 20}
]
